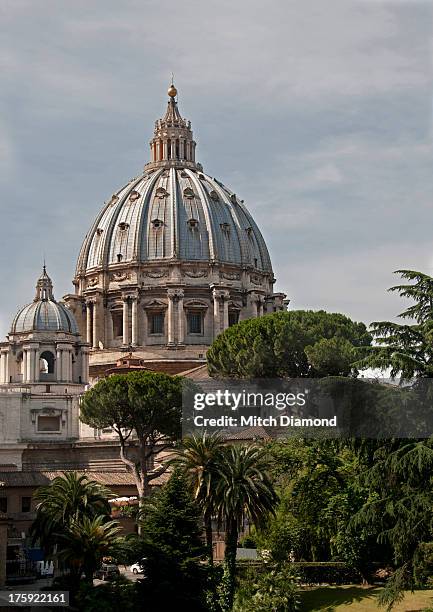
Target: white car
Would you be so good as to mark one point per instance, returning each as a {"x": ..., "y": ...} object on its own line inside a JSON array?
[{"x": 136, "y": 568}]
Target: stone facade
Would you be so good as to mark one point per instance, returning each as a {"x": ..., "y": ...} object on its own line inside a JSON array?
[{"x": 43, "y": 372}]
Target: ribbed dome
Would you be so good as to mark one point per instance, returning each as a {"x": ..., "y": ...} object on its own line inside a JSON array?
[
  {"x": 44, "y": 313},
  {"x": 174, "y": 213}
]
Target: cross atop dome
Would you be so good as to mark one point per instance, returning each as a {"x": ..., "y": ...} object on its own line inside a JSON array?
[{"x": 172, "y": 144}]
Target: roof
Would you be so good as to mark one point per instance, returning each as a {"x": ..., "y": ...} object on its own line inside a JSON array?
[
  {"x": 174, "y": 213},
  {"x": 44, "y": 313},
  {"x": 198, "y": 373},
  {"x": 251, "y": 433},
  {"x": 38, "y": 479}
]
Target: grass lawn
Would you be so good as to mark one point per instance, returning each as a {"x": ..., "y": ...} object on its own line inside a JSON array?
[{"x": 358, "y": 599}]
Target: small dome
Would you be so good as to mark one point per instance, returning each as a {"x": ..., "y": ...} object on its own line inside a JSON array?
[{"x": 44, "y": 313}]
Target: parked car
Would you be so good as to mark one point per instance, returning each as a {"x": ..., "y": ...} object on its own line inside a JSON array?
[
  {"x": 139, "y": 567},
  {"x": 107, "y": 572}
]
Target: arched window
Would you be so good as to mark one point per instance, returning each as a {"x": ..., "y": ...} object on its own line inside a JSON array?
[{"x": 46, "y": 363}]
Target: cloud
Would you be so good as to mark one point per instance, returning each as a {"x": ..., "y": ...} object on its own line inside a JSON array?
[{"x": 318, "y": 114}]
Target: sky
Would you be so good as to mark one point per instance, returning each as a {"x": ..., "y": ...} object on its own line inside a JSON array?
[{"x": 317, "y": 114}]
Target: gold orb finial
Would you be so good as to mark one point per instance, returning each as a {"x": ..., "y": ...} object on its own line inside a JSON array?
[{"x": 172, "y": 91}]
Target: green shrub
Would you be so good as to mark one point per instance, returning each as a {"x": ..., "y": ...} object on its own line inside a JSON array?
[
  {"x": 275, "y": 589},
  {"x": 327, "y": 573}
]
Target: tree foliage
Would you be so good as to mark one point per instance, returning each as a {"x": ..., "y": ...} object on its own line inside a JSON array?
[
  {"x": 297, "y": 343},
  {"x": 273, "y": 590},
  {"x": 143, "y": 408},
  {"x": 244, "y": 491},
  {"x": 86, "y": 541},
  {"x": 400, "y": 509},
  {"x": 319, "y": 494},
  {"x": 170, "y": 540},
  {"x": 198, "y": 458},
  {"x": 66, "y": 500},
  {"x": 406, "y": 349},
  {"x": 73, "y": 523}
]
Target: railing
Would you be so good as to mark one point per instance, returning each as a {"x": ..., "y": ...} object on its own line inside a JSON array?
[
  {"x": 20, "y": 570},
  {"x": 4, "y": 389}
]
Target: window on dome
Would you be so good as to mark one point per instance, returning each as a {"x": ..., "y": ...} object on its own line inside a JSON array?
[
  {"x": 188, "y": 193},
  {"x": 195, "y": 322},
  {"x": 119, "y": 257},
  {"x": 157, "y": 223},
  {"x": 157, "y": 323}
]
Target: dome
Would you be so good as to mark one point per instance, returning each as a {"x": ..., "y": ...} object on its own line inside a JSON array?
[
  {"x": 44, "y": 313},
  {"x": 171, "y": 260},
  {"x": 174, "y": 213}
]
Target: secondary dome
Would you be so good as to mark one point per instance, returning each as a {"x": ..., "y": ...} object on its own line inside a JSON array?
[
  {"x": 173, "y": 211},
  {"x": 44, "y": 313}
]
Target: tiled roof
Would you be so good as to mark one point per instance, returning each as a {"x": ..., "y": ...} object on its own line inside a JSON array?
[
  {"x": 252, "y": 433},
  {"x": 198, "y": 373},
  {"x": 38, "y": 479}
]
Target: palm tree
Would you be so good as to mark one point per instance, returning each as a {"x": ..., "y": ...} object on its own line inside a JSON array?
[
  {"x": 243, "y": 491},
  {"x": 65, "y": 501},
  {"x": 198, "y": 459},
  {"x": 86, "y": 542}
]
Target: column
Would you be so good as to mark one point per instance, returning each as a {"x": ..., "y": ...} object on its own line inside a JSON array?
[
  {"x": 253, "y": 298},
  {"x": 24, "y": 366},
  {"x": 95, "y": 335},
  {"x": 182, "y": 148},
  {"x": 260, "y": 306},
  {"x": 32, "y": 365},
  {"x": 170, "y": 314},
  {"x": 226, "y": 309},
  {"x": 173, "y": 148},
  {"x": 108, "y": 327},
  {"x": 134, "y": 326},
  {"x": 84, "y": 365},
  {"x": 27, "y": 364},
  {"x": 37, "y": 369},
  {"x": 216, "y": 313},
  {"x": 181, "y": 318},
  {"x": 89, "y": 322},
  {"x": 164, "y": 150},
  {"x": 59, "y": 365},
  {"x": 65, "y": 365},
  {"x": 125, "y": 321},
  {"x": 2, "y": 366}
]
